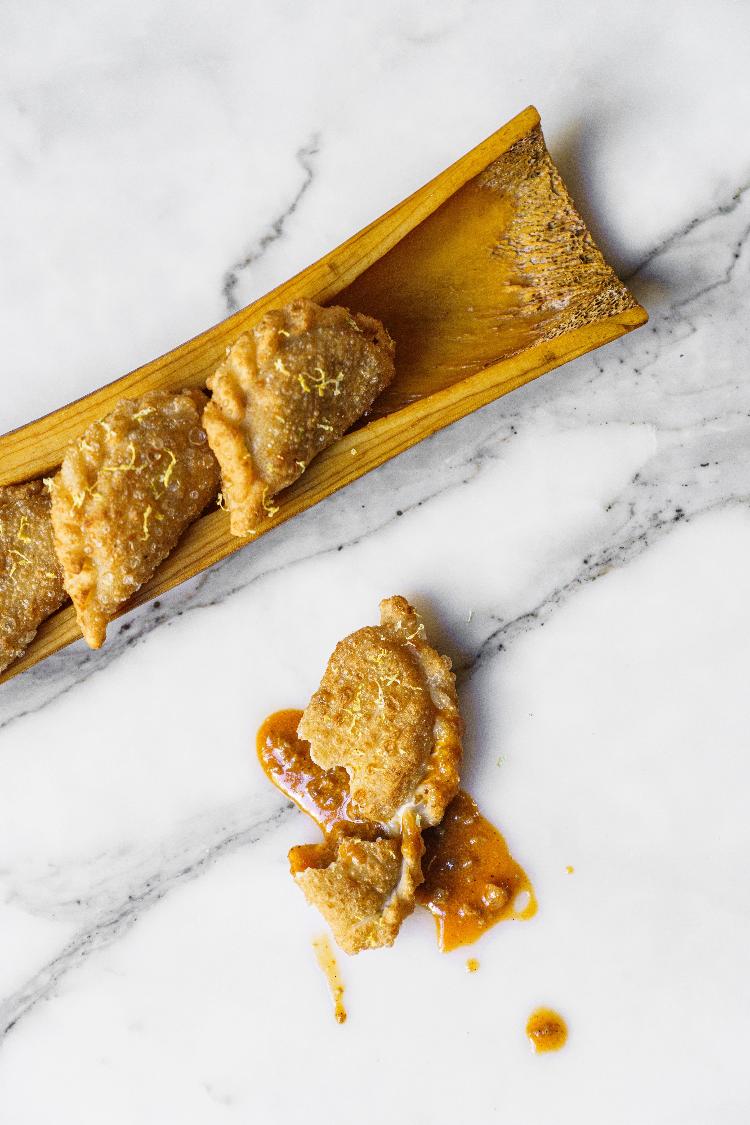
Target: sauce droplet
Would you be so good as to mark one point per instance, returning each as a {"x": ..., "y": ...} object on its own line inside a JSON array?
[
  {"x": 547, "y": 1030},
  {"x": 472, "y": 965},
  {"x": 328, "y": 964},
  {"x": 570, "y": 869}
]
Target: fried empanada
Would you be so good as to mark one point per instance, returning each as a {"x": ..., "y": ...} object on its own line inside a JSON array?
[
  {"x": 387, "y": 711},
  {"x": 286, "y": 391},
  {"x": 31, "y": 579},
  {"x": 125, "y": 493}
]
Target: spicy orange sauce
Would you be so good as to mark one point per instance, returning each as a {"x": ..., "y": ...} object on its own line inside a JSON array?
[
  {"x": 547, "y": 1030},
  {"x": 285, "y": 758},
  {"x": 327, "y": 961},
  {"x": 471, "y": 881}
]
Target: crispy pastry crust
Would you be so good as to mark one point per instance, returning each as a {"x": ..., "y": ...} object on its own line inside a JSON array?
[
  {"x": 387, "y": 711},
  {"x": 125, "y": 493},
  {"x": 286, "y": 391},
  {"x": 31, "y": 580},
  {"x": 363, "y": 888}
]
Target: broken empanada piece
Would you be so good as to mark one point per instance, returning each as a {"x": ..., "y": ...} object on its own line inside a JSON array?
[
  {"x": 286, "y": 391},
  {"x": 31, "y": 580},
  {"x": 125, "y": 493},
  {"x": 364, "y": 888},
  {"x": 387, "y": 711}
]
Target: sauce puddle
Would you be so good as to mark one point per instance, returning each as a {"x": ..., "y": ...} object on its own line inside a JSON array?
[{"x": 471, "y": 881}]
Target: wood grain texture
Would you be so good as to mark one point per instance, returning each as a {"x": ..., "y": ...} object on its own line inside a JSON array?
[{"x": 486, "y": 278}]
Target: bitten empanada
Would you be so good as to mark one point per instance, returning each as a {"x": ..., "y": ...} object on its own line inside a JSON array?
[{"x": 386, "y": 713}]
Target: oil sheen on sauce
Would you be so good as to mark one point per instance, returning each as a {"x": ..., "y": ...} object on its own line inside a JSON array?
[
  {"x": 547, "y": 1030},
  {"x": 471, "y": 879}
]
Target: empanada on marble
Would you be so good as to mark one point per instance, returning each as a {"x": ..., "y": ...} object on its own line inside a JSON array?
[{"x": 387, "y": 711}]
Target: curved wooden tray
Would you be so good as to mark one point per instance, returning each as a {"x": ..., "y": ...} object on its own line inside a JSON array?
[{"x": 486, "y": 277}]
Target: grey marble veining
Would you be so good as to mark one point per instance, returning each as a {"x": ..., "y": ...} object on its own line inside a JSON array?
[{"x": 578, "y": 548}]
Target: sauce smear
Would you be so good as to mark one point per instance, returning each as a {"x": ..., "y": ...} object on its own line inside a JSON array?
[
  {"x": 471, "y": 879},
  {"x": 547, "y": 1030},
  {"x": 328, "y": 964},
  {"x": 285, "y": 758}
]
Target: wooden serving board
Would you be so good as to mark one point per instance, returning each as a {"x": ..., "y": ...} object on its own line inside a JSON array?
[{"x": 486, "y": 277}]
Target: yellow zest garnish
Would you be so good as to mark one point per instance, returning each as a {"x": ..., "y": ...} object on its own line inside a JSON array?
[
  {"x": 301, "y": 466},
  {"x": 146, "y": 514},
  {"x": 122, "y": 468},
  {"x": 283, "y": 332},
  {"x": 221, "y": 502},
  {"x": 50, "y": 574},
  {"x": 337, "y": 384},
  {"x": 19, "y": 534},
  {"x": 268, "y": 508},
  {"x": 20, "y": 555},
  {"x": 355, "y": 711},
  {"x": 324, "y": 426},
  {"x": 142, "y": 413},
  {"x": 13, "y": 569},
  {"x": 302, "y": 382},
  {"x": 169, "y": 469}
]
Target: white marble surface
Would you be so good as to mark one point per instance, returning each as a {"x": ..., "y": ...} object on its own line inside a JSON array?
[{"x": 160, "y": 163}]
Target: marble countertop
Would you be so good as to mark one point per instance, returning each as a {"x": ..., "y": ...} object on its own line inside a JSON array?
[{"x": 579, "y": 548}]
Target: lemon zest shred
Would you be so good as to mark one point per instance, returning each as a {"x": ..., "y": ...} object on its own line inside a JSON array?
[
  {"x": 167, "y": 475},
  {"x": 221, "y": 502},
  {"x": 122, "y": 468},
  {"x": 142, "y": 413},
  {"x": 268, "y": 508},
  {"x": 20, "y": 555},
  {"x": 146, "y": 515},
  {"x": 19, "y": 534},
  {"x": 355, "y": 711}
]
